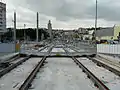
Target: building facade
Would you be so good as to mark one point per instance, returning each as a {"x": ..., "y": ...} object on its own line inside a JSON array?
[
  {"x": 108, "y": 33},
  {"x": 50, "y": 29},
  {"x": 2, "y": 16},
  {"x": 82, "y": 31}
]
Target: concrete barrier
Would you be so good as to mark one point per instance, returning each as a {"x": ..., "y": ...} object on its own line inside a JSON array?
[{"x": 7, "y": 47}]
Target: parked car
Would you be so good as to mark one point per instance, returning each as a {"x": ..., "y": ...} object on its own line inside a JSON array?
[
  {"x": 115, "y": 42},
  {"x": 103, "y": 41},
  {"x": 108, "y": 42},
  {"x": 112, "y": 42}
]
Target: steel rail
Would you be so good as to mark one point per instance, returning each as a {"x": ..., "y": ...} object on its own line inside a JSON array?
[
  {"x": 5, "y": 63},
  {"x": 66, "y": 51},
  {"x": 13, "y": 59},
  {"x": 50, "y": 49},
  {"x": 28, "y": 81},
  {"x": 43, "y": 48},
  {"x": 90, "y": 75},
  {"x": 11, "y": 67},
  {"x": 117, "y": 64}
]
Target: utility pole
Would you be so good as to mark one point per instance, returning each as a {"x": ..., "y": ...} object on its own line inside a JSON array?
[
  {"x": 37, "y": 27},
  {"x": 96, "y": 25},
  {"x": 96, "y": 18},
  {"x": 15, "y": 29},
  {"x": 24, "y": 32}
]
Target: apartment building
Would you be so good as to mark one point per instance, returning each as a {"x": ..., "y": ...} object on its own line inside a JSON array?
[{"x": 2, "y": 16}]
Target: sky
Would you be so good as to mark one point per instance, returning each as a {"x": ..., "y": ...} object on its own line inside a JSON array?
[{"x": 64, "y": 14}]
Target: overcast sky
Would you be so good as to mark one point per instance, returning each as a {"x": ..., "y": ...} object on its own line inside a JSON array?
[{"x": 64, "y": 14}]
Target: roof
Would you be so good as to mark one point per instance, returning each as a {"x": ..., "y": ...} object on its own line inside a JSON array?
[
  {"x": 109, "y": 31},
  {"x": 91, "y": 32}
]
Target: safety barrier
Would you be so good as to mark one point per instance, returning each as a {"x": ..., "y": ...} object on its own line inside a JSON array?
[
  {"x": 7, "y": 47},
  {"x": 108, "y": 48}
]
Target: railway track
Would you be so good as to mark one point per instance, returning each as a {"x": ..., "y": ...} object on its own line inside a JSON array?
[
  {"x": 111, "y": 66},
  {"x": 36, "y": 76},
  {"x": 6, "y": 62},
  {"x": 66, "y": 51},
  {"x": 108, "y": 78},
  {"x": 12, "y": 64},
  {"x": 27, "y": 82},
  {"x": 15, "y": 78},
  {"x": 106, "y": 63},
  {"x": 111, "y": 62},
  {"x": 13, "y": 58},
  {"x": 97, "y": 81},
  {"x": 63, "y": 73}
]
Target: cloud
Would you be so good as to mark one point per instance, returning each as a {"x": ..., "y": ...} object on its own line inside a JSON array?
[
  {"x": 64, "y": 13},
  {"x": 107, "y": 10},
  {"x": 60, "y": 9}
]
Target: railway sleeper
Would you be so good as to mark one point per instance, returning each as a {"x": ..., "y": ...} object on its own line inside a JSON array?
[
  {"x": 45, "y": 62},
  {"x": 77, "y": 63},
  {"x": 29, "y": 85},
  {"x": 88, "y": 76},
  {"x": 95, "y": 84},
  {"x": 98, "y": 64},
  {"x": 110, "y": 70},
  {"x": 4, "y": 64},
  {"x": 83, "y": 71},
  {"x": 79, "y": 66}
]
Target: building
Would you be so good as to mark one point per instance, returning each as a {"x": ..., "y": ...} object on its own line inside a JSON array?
[
  {"x": 50, "y": 29},
  {"x": 2, "y": 16},
  {"x": 2, "y": 19},
  {"x": 108, "y": 33},
  {"x": 82, "y": 31},
  {"x": 116, "y": 32}
]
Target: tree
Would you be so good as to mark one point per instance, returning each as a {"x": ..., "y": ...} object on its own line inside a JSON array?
[{"x": 29, "y": 32}]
